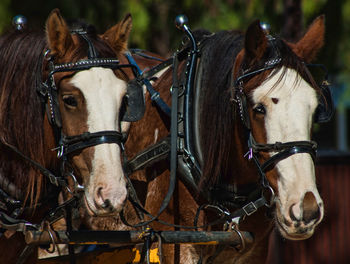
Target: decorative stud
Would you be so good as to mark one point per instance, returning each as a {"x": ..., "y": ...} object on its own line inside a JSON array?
[
  {"x": 181, "y": 21},
  {"x": 265, "y": 27},
  {"x": 19, "y": 22}
]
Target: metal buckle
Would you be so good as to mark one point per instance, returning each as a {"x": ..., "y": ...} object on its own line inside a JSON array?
[
  {"x": 60, "y": 150},
  {"x": 270, "y": 203},
  {"x": 188, "y": 158},
  {"x": 249, "y": 209},
  {"x": 53, "y": 179}
]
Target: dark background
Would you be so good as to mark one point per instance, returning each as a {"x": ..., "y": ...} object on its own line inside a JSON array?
[{"x": 153, "y": 29}]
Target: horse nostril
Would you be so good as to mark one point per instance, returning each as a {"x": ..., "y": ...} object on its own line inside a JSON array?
[
  {"x": 107, "y": 205},
  {"x": 311, "y": 210},
  {"x": 308, "y": 216},
  {"x": 101, "y": 201}
]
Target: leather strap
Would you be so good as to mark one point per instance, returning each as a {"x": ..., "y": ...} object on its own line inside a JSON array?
[
  {"x": 57, "y": 181},
  {"x": 144, "y": 78},
  {"x": 149, "y": 156},
  {"x": 74, "y": 143}
]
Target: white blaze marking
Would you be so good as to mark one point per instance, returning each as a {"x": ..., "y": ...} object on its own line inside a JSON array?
[
  {"x": 290, "y": 120},
  {"x": 103, "y": 93}
]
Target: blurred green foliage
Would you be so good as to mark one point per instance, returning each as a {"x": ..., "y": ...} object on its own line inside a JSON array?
[
  {"x": 5, "y": 14},
  {"x": 153, "y": 21},
  {"x": 153, "y": 26}
]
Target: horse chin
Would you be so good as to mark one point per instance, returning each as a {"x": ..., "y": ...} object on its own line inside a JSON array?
[
  {"x": 291, "y": 233},
  {"x": 93, "y": 211},
  {"x": 293, "y": 230}
]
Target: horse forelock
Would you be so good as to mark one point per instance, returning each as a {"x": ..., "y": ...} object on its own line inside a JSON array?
[
  {"x": 81, "y": 46},
  {"x": 289, "y": 60},
  {"x": 21, "y": 111}
]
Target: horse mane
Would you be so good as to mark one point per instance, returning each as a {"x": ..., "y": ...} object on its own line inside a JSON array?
[
  {"x": 21, "y": 111},
  {"x": 217, "y": 113},
  {"x": 217, "y": 117}
]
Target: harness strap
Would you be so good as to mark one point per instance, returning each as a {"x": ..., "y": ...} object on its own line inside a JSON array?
[
  {"x": 284, "y": 150},
  {"x": 153, "y": 71},
  {"x": 155, "y": 97},
  {"x": 13, "y": 224},
  {"x": 249, "y": 208},
  {"x": 55, "y": 180},
  {"x": 279, "y": 146},
  {"x": 85, "y": 65},
  {"x": 73, "y": 143},
  {"x": 173, "y": 154},
  {"x": 9, "y": 202},
  {"x": 149, "y": 156},
  {"x": 285, "y": 154}
]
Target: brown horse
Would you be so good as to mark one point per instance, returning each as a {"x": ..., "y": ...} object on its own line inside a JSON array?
[
  {"x": 61, "y": 95},
  {"x": 253, "y": 108}
]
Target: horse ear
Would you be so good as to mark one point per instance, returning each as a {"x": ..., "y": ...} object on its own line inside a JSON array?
[
  {"x": 255, "y": 42},
  {"x": 58, "y": 34},
  {"x": 313, "y": 40},
  {"x": 118, "y": 35}
]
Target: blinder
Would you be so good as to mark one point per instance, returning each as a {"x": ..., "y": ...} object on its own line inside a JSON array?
[
  {"x": 325, "y": 109},
  {"x": 133, "y": 107}
]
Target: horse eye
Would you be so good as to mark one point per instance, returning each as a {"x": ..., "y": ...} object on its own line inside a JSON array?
[
  {"x": 70, "y": 100},
  {"x": 260, "y": 109}
]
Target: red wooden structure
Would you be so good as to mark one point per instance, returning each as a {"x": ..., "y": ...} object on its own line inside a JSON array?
[{"x": 331, "y": 241}]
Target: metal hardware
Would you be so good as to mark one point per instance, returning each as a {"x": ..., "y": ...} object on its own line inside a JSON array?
[
  {"x": 250, "y": 208},
  {"x": 19, "y": 22}
]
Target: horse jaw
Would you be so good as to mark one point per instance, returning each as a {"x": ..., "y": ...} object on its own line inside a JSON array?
[
  {"x": 289, "y": 106},
  {"x": 105, "y": 185}
]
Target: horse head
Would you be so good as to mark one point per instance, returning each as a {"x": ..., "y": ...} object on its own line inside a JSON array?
[
  {"x": 278, "y": 106},
  {"x": 89, "y": 87}
]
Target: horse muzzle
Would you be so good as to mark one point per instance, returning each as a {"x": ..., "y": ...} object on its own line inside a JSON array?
[{"x": 298, "y": 221}]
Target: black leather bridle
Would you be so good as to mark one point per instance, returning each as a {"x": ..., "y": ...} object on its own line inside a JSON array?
[
  {"x": 281, "y": 150},
  {"x": 69, "y": 144}
]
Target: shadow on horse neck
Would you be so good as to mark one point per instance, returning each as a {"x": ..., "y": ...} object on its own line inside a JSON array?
[{"x": 275, "y": 100}]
